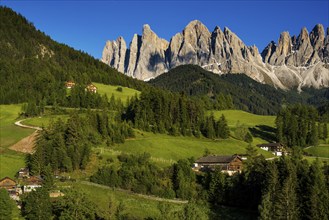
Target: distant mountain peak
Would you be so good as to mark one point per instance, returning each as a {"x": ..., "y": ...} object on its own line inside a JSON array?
[{"x": 300, "y": 61}]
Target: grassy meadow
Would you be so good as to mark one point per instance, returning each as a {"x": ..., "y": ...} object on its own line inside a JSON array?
[
  {"x": 109, "y": 90},
  {"x": 245, "y": 118},
  {"x": 319, "y": 151},
  {"x": 44, "y": 121},
  {"x": 10, "y": 161},
  {"x": 262, "y": 127},
  {"x": 165, "y": 149},
  {"x": 10, "y": 133},
  {"x": 136, "y": 206}
]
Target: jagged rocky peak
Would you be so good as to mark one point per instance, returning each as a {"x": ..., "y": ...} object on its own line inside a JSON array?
[
  {"x": 151, "y": 59},
  {"x": 114, "y": 53},
  {"x": 276, "y": 54},
  {"x": 317, "y": 36},
  {"x": 304, "y": 50},
  {"x": 292, "y": 61},
  {"x": 192, "y": 45}
]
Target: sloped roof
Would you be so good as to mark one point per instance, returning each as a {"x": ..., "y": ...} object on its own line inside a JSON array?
[
  {"x": 270, "y": 145},
  {"x": 7, "y": 178},
  {"x": 217, "y": 159},
  {"x": 34, "y": 180}
]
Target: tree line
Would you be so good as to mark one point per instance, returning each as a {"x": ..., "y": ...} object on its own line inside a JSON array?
[
  {"x": 66, "y": 146},
  {"x": 300, "y": 125},
  {"x": 176, "y": 114}
]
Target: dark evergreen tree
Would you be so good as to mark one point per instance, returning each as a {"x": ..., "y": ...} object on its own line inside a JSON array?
[
  {"x": 269, "y": 205},
  {"x": 37, "y": 205},
  {"x": 6, "y": 205},
  {"x": 75, "y": 205},
  {"x": 319, "y": 196}
]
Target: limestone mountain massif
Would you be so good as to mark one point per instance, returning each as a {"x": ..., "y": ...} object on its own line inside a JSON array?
[{"x": 292, "y": 62}]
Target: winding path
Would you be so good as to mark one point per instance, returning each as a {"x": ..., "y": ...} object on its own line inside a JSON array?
[
  {"x": 26, "y": 145},
  {"x": 18, "y": 123}
]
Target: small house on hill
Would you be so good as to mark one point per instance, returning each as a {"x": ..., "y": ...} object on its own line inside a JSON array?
[
  {"x": 228, "y": 164},
  {"x": 23, "y": 173},
  {"x": 91, "y": 88},
  {"x": 276, "y": 148},
  {"x": 32, "y": 183},
  {"x": 69, "y": 84},
  {"x": 8, "y": 184}
]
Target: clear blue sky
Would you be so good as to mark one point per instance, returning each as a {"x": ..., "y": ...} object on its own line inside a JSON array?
[{"x": 87, "y": 25}]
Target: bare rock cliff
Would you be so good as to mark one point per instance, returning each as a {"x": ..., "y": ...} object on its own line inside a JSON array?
[{"x": 300, "y": 61}]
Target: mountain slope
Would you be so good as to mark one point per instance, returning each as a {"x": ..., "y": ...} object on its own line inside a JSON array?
[
  {"x": 246, "y": 93},
  {"x": 296, "y": 62},
  {"x": 35, "y": 66}
]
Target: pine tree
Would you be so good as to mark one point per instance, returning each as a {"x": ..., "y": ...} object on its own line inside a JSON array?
[
  {"x": 287, "y": 207},
  {"x": 325, "y": 131},
  {"x": 313, "y": 135},
  {"x": 319, "y": 197},
  {"x": 47, "y": 175},
  {"x": 37, "y": 205},
  {"x": 75, "y": 205},
  {"x": 222, "y": 129},
  {"x": 217, "y": 187},
  {"x": 6, "y": 205},
  {"x": 279, "y": 128},
  {"x": 248, "y": 138},
  {"x": 268, "y": 206}
]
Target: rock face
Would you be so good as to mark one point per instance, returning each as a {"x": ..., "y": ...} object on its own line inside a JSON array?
[
  {"x": 114, "y": 54},
  {"x": 300, "y": 61}
]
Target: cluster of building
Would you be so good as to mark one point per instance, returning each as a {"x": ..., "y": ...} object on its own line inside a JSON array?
[
  {"x": 233, "y": 163},
  {"x": 277, "y": 149},
  {"x": 90, "y": 87},
  {"x": 24, "y": 183}
]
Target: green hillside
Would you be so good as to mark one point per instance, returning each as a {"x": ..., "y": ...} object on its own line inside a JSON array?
[
  {"x": 319, "y": 151},
  {"x": 246, "y": 118},
  {"x": 35, "y": 66},
  {"x": 110, "y": 90},
  {"x": 10, "y": 133},
  {"x": 261, "y": 127},
  {"x": 247, "y": 94},
  {"x": 168, "y": 149},
  {"x": 10, "y": 161}
]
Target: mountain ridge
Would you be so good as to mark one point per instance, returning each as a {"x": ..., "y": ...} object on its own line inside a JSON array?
[
  {"x": 294, "y": 62},
  {"x": 246, "y": 93}
]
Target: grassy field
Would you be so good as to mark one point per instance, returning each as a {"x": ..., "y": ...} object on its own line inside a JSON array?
[
  {"x": 44, "y": 120},
  {"x": 262, "y": 127},
  {"x": 136, "y": 206},
  {"x": 10, "y": 133},
  {"x": 109, "y": 90},
  {"x": 168, "y": 149},
  {"x": 319, "y": 151},
  {"x": 142, "y": 208},
  {"x": 248, "y": 119},
  {"x": 10, "y": 161}
]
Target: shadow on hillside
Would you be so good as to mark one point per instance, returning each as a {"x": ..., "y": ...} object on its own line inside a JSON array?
[{"x": 264, "y": 132}]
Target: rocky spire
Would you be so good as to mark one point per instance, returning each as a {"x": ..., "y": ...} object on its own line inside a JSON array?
[{"x": 114, "y": 53}]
